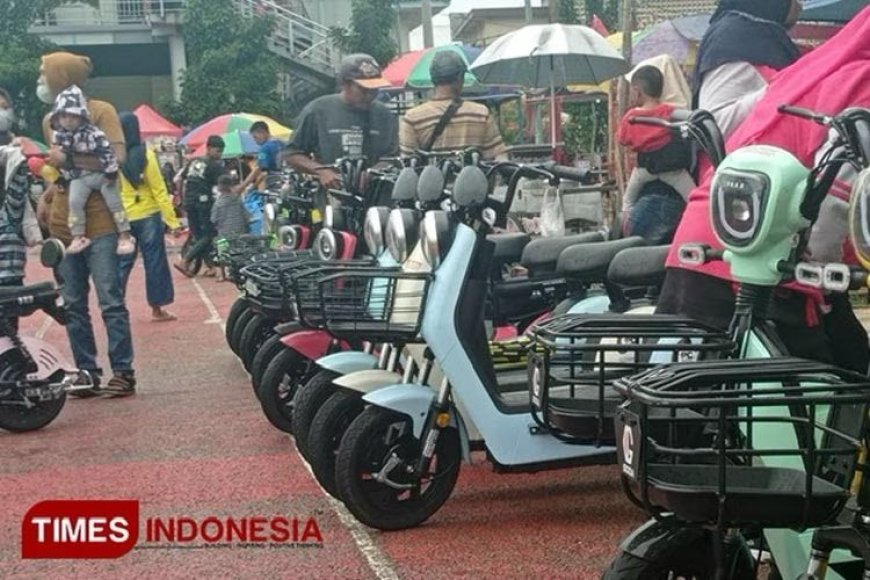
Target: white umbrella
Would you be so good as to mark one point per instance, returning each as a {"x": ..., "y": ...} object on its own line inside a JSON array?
[{"x": 548, "y": 56}]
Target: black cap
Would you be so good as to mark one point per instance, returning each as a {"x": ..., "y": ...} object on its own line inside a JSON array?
[
  {"x": 362, "y": 69},
  {"x": 447, "y": 65},
  {"x": 215, "y": 141}
]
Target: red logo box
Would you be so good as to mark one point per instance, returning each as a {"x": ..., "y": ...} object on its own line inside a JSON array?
[{"x": 87, "y": 529}]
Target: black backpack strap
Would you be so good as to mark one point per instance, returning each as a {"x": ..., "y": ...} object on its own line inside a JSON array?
[{"x": 442, "y": 123}]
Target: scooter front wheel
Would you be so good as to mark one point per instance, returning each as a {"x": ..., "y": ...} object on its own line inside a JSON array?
[
  {"x": 278, "y": 387},
  {"x": 696, "y": 561},
  {"x": 329, "y": 426},
  {"x": 255, "y": 333},
  {"x": 311, "y": 396},
  {"x": 236, "y": 310},
  {"x": 20, "y": 418},
  {"x": 264, "y": 356},
  {"x": 401, "y": 499}
]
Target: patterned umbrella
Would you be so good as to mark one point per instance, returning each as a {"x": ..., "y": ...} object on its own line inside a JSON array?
[
  {"x": 418, "y": 77},
  {"x": 398, "y": 70},
  {"x": 230, "y": 123},
  {"x": 237, "y": 143}
]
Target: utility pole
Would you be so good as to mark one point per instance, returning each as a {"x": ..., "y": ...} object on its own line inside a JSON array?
[
  {"x": 428, "y": 36},
  {"x": 554, "y": 11},
  {"x": 528, "y": 11}
]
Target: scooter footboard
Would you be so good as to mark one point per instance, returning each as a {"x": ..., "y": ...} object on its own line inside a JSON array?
[{"x": 415, "y": 401}]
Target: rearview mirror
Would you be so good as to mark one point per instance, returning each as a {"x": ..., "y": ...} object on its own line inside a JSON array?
[{"x": 52, "y": 253}]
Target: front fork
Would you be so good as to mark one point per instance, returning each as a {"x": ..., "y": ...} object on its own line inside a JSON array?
[
  {"x": 825, "y": 540},
  {"x": 437, "y": 420}
]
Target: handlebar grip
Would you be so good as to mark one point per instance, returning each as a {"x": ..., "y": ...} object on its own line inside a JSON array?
[
  {"x": 654, "y": 121},
  {"x": 569, "y": 173},
  {"x": 803, "y": 113}
]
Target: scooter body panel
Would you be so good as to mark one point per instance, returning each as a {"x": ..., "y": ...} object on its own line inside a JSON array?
[
  {"x": 366, "y": 381},
  {"x": 312, "y": 344},
  {"x": 48, "y": 359},
  {"x": 348, "y": 361}
]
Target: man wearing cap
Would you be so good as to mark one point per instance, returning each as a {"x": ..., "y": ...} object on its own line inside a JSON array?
[
  {"x": 200, "y": 178},
  {"x": 349, "y": 124},
  {"x": 446, "y": 122}
]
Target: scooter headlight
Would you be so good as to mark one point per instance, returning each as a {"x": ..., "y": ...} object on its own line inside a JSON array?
[
  {"x": 859, "y": 217},
  {"x": 270, "y": 218},
  {"x": 434, "y": 232},
  {"x": 289, "y": 237},
  {"x": 738, "y": 202},
  {"x": 374, "y": 228},
  {"x": 329, "y": 217},
  {"x": 326, "y": 245},
  {"x": 402, "y": 232}
]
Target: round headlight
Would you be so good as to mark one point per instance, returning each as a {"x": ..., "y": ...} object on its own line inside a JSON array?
[
  {"x": 738, "y": 200},
  {"x": 859, "y": 217},
  {"x": 433, "y": 235},
  {"x": 328, "y": 217},
  {"x": 270, "y": 216},
  {"x": 326, "y": 245},
  {"x": 373, "y": 229},
  {"x": 289, "y": 237},
  {"x": 402, "y": 233}
]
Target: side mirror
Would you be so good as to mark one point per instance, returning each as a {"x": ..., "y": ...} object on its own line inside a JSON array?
[
  {"x": 405, "y": 188},
  {"x": 470, "y": 187},
  {"x": 430, "y": 187},
  {"x": 52, "y": 253}
]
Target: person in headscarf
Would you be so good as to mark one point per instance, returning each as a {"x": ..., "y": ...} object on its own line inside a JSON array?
[
  {"x": 149, "y": 207},
  {"x": 830, "y": 79},
  {"x": 746, "y": 44}
]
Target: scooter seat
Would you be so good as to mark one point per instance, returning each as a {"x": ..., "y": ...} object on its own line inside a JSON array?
[
  {"x": 639, "y": 266},
  {"x": 509, "y": 247},
  {"x": 542, "y": 254},
  {"x": 589, "y": 262}
]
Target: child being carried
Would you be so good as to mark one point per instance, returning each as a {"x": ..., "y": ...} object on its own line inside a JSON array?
[{"x": 74, "y": 133}]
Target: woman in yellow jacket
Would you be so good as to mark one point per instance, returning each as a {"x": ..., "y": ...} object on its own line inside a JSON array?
[{"x": 148, "y": 208}]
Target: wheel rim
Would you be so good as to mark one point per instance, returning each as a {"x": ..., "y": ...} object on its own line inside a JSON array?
[
  {"x": 288, "y": 386},
  {"x": 395, "y": 438}
]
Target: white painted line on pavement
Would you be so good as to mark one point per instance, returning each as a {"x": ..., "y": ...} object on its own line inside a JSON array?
[
  {"x": 46, "y": 324},
  {"x": 378, "y": 561},
  {"x": 214, "y": 315}
]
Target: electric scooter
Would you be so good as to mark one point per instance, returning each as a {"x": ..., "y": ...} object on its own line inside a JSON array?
[{"x": 766, "y": 446}]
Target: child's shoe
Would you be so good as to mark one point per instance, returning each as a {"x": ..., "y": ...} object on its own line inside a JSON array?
[
  {"x": 79, "y": 244},
  {"x": 126, "y": 245}
]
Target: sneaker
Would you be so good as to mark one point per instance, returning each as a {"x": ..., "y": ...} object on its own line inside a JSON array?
[
  {"x": 86, "y": 378},
  {"x": 120, "y": 385},
  {"x": 126, "y": 246},
  {"x": 78, "y": 245}
]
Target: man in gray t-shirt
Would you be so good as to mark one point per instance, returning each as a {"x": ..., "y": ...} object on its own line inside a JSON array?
[{"x": 349, "y": 124}]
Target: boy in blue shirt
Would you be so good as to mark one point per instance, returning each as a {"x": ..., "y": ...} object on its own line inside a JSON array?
[{"x": 269, "y": 157}]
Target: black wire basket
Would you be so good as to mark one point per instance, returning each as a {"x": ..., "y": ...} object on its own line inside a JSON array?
[
  {"x": 374, "y": 304},
  {"x": 234, "y": 263},
  {"x": 732, "y": 443},
  {"x": 577, "y": 357}
]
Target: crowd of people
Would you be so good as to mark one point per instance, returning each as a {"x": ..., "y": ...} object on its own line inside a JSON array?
[{"x": 108, "y": 200}]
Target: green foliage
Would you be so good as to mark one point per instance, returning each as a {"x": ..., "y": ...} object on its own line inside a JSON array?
[
  {"x": 20, "y": 54},
  {"x": 371, "y": 30},
  {"x": 568, "y": 13},
  {"x": 607, "y": 11},
  {"x": 229, "y": 65},
  {"x": 587, "y": 130}
]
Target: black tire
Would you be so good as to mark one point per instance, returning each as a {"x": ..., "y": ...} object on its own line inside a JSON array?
[
  {"x": 694, "y": 561},
  {"x": 255, "y": 333},
  {"x": 264, "y": 356},
  {"x": 20, "y": 419},
  {"x": 195, "y": 266},
  {"x": 238, "y": 328},
  {"x": 236, "y": 310},
  {"x": 279, "y": 385},
  {"x": 373, "y": 437},
  {"x": 329, "y": 426},
  {"x": 308, "y": 401}
]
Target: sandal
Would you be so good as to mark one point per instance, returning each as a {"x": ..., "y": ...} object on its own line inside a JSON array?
[
  {"x": 164, "y": 316},
  {"x": 183, "y": 269}
]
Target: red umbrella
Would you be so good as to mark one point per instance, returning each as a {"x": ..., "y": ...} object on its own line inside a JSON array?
[
  {"x": 32, "y": 147},
  {"x": 398, "y": 70},
  {"x": 152, "y": 124}
]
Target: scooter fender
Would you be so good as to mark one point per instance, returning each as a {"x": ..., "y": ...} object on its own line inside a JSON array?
[
  {"x": 48, "y": 359},
  {"x": 312, "y": 344},
  {"x": 366, "y": 381},
  {"x": 350, "y": 361},
  {"x": 656, "y": 541},
  {"x": 415, "y": 401}
]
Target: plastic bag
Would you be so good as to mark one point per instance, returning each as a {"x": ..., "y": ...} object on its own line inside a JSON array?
[{"x": 552, "y": 222}]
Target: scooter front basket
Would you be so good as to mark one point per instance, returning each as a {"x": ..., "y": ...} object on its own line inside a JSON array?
[
  {"x": 577, "y": 357},
  {"x": 374, "y": 304},
  {"x": 772, "y": 442}
]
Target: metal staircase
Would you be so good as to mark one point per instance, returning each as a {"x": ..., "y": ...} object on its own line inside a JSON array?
[{"x": 304, "y": 45}]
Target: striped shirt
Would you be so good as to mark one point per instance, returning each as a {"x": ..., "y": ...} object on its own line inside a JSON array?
[
  {"x": 229, "y": 215},
  {"x": 13, "y": 252},
  {"x": 471, "y": 126}
]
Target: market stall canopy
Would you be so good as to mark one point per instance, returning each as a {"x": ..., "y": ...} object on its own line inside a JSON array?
[
  {"x": 152, "y": 124},
  {"x": 233, "y": 122}
]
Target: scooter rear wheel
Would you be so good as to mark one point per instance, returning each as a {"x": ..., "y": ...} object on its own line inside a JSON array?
[
  {"x": 696, "y": 561},
  {"x": 309, "y": 399},
  {"x": 372, "y": 439},
  {"x": 329, "y": 426},
  {"x": 19, "y": 418},
  {"x": 236, "y": 310},
  {"x": 239, "y": 327}
]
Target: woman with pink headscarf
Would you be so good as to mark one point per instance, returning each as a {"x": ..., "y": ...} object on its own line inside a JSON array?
[{"x": 830, "y": 79}]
